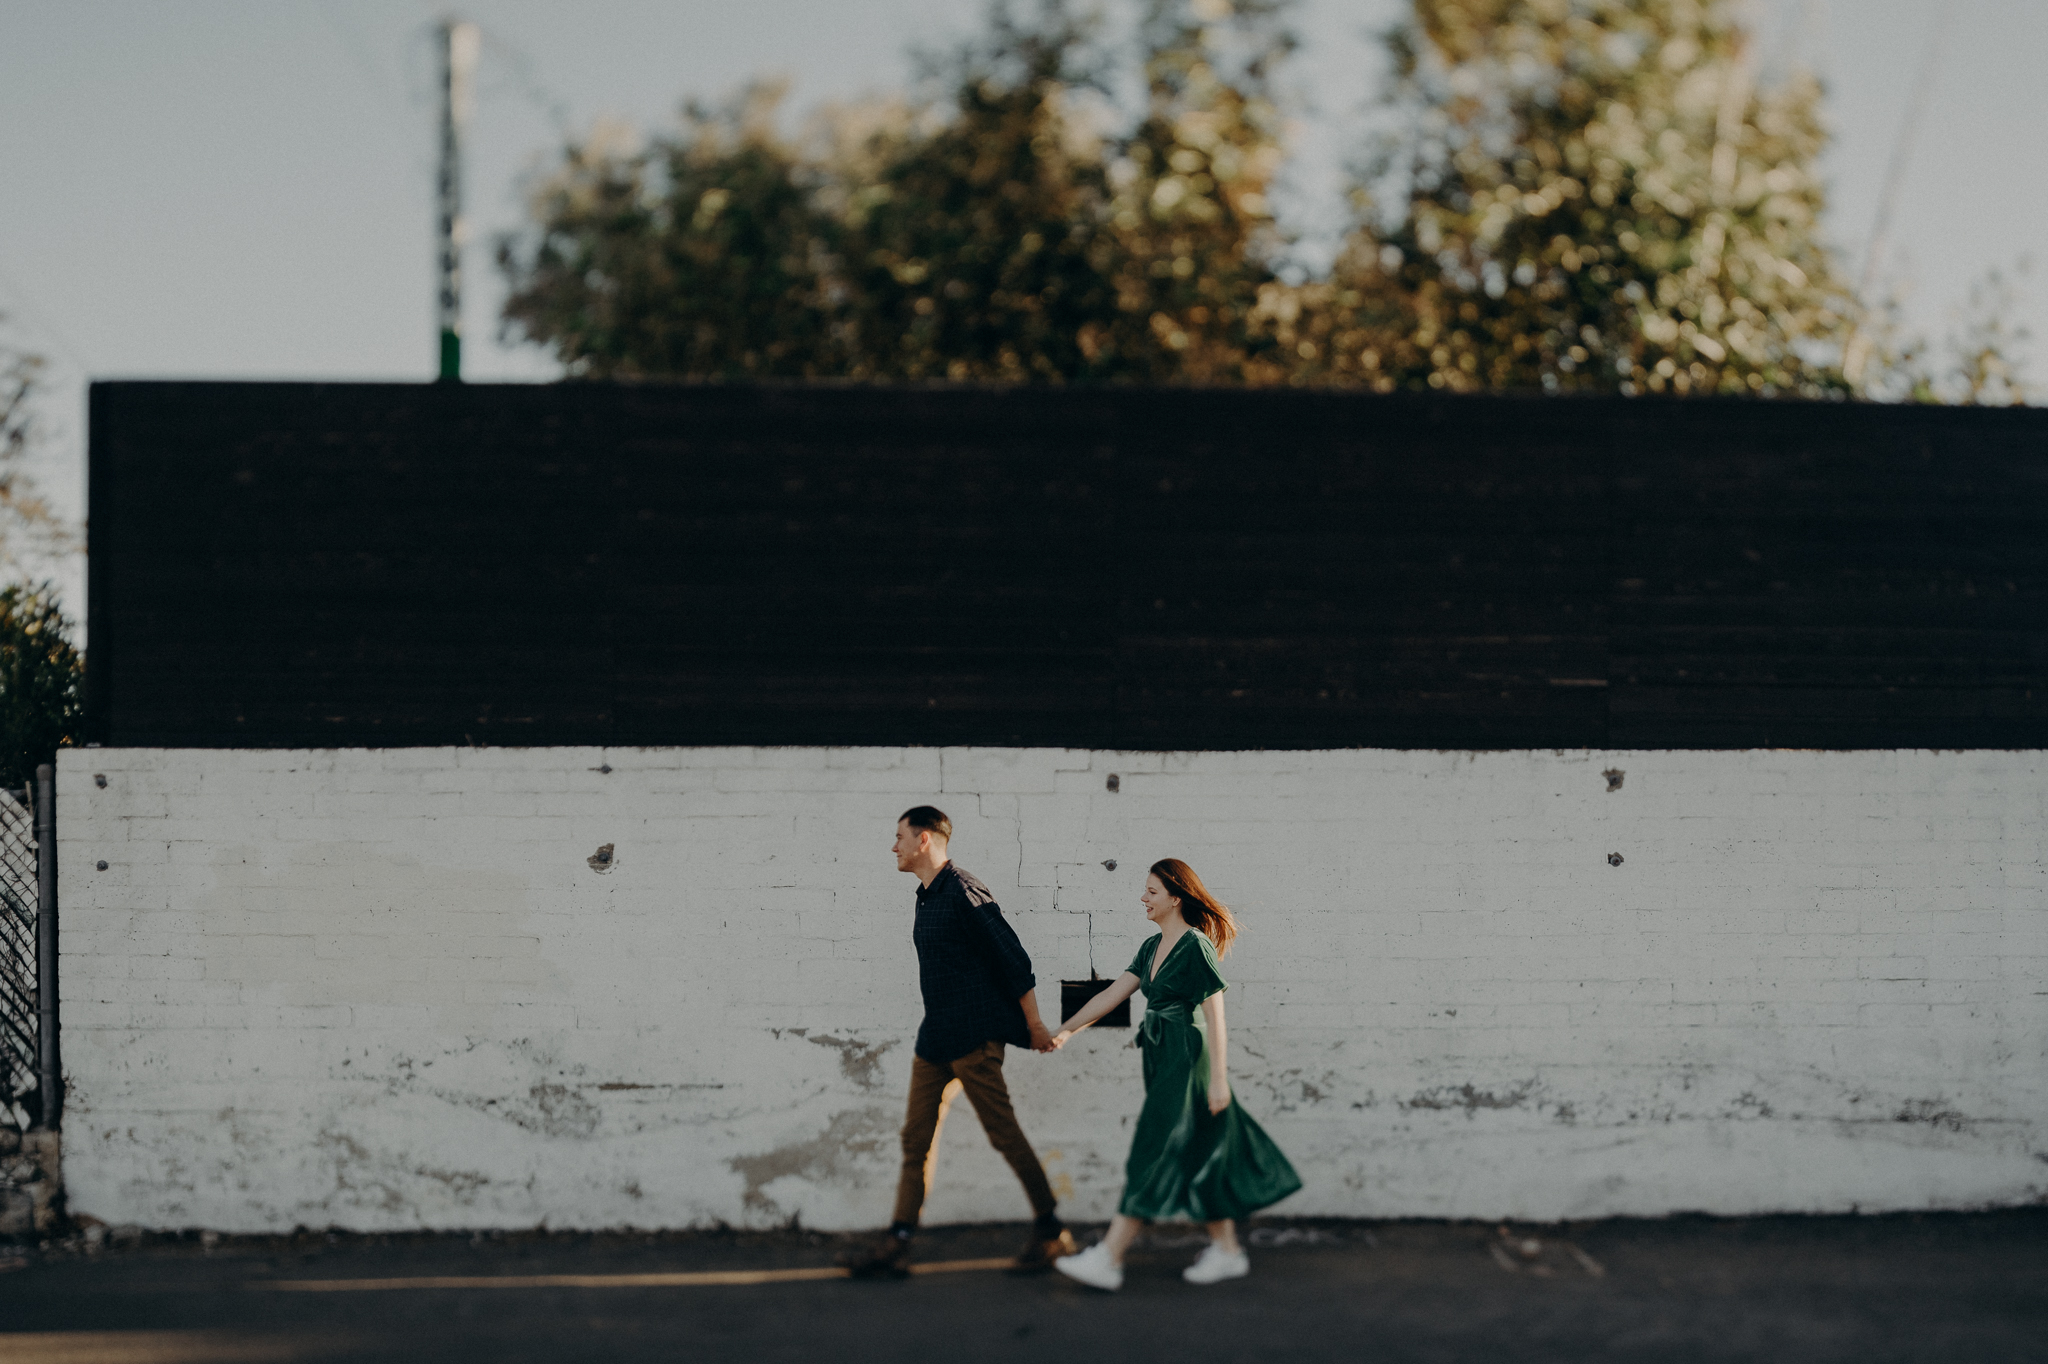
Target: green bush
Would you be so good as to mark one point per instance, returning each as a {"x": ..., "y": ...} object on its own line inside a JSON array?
[{"x": 41, "y": 681}]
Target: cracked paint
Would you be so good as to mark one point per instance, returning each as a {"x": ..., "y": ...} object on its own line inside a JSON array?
[{"x": 841, "y": 1153}]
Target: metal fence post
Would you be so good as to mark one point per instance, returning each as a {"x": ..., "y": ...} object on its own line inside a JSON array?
[{"x": 46, "y": 945}]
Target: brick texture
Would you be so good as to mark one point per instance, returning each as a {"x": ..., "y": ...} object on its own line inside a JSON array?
[{"x": 389, "y": 988}]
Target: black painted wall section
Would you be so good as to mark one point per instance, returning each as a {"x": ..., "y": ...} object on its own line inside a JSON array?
[{"x": 341, "y": 565}]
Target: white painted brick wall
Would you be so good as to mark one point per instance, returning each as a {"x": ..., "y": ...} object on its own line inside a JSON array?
[{"x": 385, "y": 989}]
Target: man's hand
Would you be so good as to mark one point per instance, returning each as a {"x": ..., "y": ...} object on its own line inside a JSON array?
[{"x": 1041, "y": 1040}]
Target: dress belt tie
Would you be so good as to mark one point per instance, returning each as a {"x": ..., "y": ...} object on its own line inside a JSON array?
[{"x": 1161, "y": 1018}]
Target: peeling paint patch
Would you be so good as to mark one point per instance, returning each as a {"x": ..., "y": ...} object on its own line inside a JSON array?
[
  {"x": 551, "y": 1110},
  {"x": 859, "y": 1061},
  {"x": 352, "y": 1163},
  {"x": 1748, "y": 1105},
  {"x": 834, "y": 1155},
  {"x": 1471, "y": 1098},
  {"x": 361, "y": 1174},
  {"x": 462, "y": 1183},
  {"x": 1933, "y": 1112},
  {"x": 1295, "y": 1089}
]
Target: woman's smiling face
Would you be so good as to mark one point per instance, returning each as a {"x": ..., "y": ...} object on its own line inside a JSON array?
[{"x": 1159, "y": 906}]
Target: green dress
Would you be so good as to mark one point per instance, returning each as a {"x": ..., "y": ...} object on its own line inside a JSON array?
[{"x": 1187, "y": 1162}]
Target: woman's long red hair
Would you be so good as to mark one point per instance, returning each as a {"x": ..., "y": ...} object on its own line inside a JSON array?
[{"x": 1202, "y": 910}]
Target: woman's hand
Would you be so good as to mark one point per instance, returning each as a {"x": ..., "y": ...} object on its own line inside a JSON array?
[
  {"x": 1059, "y": 1039},
  {"x": 1219, "y": 1094}
]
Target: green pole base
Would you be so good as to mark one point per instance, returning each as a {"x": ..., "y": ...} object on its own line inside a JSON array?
[{"x": 451, "y": 357}]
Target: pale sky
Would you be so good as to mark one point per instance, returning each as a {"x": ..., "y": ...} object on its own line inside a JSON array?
[{"x": 242, "y": 188}]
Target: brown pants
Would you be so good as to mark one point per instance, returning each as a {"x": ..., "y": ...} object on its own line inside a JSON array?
[{"x": 932, "y": 1088}]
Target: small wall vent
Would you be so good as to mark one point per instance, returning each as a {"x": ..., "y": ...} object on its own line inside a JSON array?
[{"x": 1076, "y": 993}]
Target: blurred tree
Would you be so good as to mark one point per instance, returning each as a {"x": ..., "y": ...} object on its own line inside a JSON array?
[
  {"x": 1004, "y": 232},
  {"x": 25, "y": 518},
  {"x": 1982, "y": 360},
  {"x": 1192, "y": 224},
  {"x": 41, "y": 678},
  {"x": 1594, "y": 195},
  {"x": 702, "y": 255},
  {"x": 1887, "y": 361},
  {"x": 1988, "y": 346},
  {"x": 19, "y": 370},
  {"x": 975, "y": 247},
  {"x": 1573, "y": 195}
]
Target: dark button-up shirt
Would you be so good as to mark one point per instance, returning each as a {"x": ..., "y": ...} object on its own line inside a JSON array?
[{"x": 971, "y": 967}]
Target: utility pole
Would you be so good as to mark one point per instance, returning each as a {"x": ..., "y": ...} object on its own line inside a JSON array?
[{"x": 459, "y": 43}]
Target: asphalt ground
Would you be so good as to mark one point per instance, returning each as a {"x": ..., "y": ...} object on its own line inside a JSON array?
[{"x": 1940, "y": 1287}]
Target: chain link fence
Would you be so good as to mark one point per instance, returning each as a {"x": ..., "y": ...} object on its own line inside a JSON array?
[{"x": 20, "y": 1099}]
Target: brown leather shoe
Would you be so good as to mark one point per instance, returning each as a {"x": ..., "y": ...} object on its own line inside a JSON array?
[
  {"x": 1039, "y": 1252},
  {"x": 888, "y": 1258}
]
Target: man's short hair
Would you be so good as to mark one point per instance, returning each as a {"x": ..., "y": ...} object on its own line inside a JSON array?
[{"x": 931, "y": 819}]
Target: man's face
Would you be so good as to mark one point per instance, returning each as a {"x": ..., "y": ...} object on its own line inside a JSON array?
[{"x": 910, "y": 843}]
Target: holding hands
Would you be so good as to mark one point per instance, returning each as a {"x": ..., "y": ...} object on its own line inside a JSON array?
[{"x": 1120, "y": 989}]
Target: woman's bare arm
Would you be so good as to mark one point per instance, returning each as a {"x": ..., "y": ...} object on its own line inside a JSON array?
[
  {"x": 1120, "y": 989},
  {"x": 1219, "y": 1048}
]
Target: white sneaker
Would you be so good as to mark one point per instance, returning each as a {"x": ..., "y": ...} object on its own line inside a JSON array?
[
  {"x": 1215, "y": 1264},
  {"x": 1092, "y": 1267}
]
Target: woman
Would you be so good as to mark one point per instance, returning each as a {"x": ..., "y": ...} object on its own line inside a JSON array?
[{"x": 1195, "y": 1153}]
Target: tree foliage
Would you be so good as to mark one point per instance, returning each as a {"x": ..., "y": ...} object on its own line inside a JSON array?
[
  {"x": 1981, "y": 362},
  {"x": 1987, "y": 347},
  {"x": 1596, "y": 195},
  {"x": 19, "y": 370},
  {"x": 1192, "y": 220},
  {"x": 997, "y": 233},
  {"x": 972, "y": 250},
  {"x": 1566, "y": 195},
  {"x": 41, "y": 682},
  {"x": 23, "y": 512},
  {"x": 705, "y": 254}
]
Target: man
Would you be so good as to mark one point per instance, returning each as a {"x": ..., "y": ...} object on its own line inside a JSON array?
[{"x": 979, "y": 994}]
